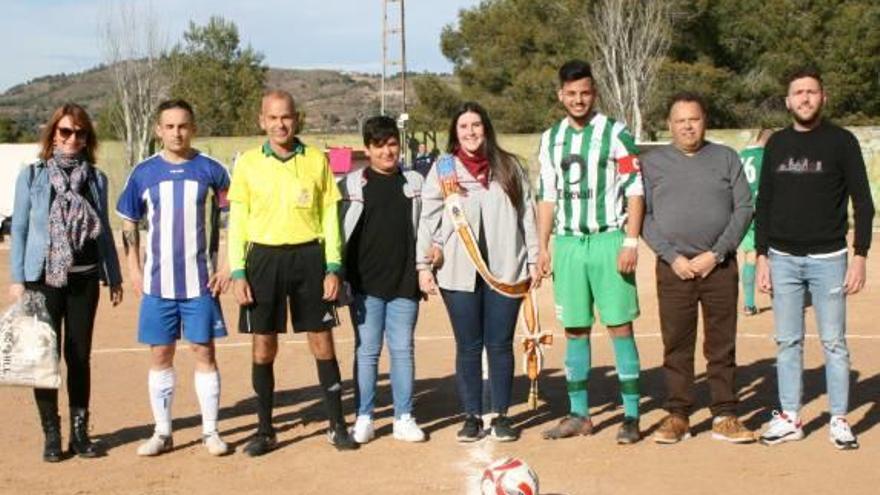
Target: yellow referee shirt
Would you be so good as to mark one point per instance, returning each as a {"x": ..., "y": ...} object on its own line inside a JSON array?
[{"x": 277, "y": 201}]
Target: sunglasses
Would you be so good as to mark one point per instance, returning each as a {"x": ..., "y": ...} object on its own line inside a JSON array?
[{"x": 66, "y": 132}]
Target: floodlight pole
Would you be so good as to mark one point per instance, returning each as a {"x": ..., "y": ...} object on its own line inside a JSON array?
[{"x": 390, "y": 30}]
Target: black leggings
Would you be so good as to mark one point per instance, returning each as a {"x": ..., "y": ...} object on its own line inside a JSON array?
[{"x": 75, "y": 305}]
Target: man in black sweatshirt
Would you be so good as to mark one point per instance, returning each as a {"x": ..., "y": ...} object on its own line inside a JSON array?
[{"x": 811, "y": 170}]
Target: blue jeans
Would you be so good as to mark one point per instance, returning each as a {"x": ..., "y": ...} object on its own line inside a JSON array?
[
  {"x": 396, "y": 320},
  {"x": 482, "y": 318},
  {"x": 791, "y": 277}
]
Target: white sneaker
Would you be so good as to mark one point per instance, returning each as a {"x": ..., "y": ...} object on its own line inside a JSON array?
[
  {"x": 782, "y": 429},
  {"x": 841, "y": 435},
  {"x": 407, "y": 429},
  {"x": 215, "y": 445},
  {"x": 155, "y": 445},
  {"x": 363, "y": 430}
]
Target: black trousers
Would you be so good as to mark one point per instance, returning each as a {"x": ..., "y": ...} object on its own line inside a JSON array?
[{"x": 72, "y": 307}]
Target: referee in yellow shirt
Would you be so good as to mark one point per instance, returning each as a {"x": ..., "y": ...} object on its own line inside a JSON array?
[{"x": 284, "y": 251}]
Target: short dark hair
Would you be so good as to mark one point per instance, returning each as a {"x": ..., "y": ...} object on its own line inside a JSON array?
[
  {"x": 175, "y": 103},
  {"x": 379, "y": 129},
  {"x": 574, "y": 70},
  {"x": 802, "y": 72},
  {"x": 688, "y": 97}
]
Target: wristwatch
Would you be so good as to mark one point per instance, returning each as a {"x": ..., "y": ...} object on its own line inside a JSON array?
[{"x": 719, "y": 258}]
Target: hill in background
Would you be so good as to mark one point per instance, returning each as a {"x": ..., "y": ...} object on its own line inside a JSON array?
[{"x": 333, "y": 101}]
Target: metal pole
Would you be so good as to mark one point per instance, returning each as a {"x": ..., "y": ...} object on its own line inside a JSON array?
[
  {"x": 406, "y": 152},
  {"x": 403, "y": 53},
  {"x": 384, "y": 54}
]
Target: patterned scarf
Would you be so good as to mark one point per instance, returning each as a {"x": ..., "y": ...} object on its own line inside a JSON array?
[{"x": 72, "y": 220}]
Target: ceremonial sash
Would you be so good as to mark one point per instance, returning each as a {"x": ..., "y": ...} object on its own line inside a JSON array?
[{"x": 534, "y": 339}]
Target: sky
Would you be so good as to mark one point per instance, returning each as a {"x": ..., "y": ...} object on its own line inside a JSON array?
[{"x": 44, "y": 37}]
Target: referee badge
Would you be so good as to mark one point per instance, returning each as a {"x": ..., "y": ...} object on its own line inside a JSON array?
[{"x": 304, "y": 198}]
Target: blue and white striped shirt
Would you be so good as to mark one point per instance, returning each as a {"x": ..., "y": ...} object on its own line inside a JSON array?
[{"x": 172, "y": 197}]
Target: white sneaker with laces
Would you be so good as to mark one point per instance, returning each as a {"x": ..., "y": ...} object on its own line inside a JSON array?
[
  {"x": 363, "y": 430},
  {"x": 215, "y": 445},
  {"x": 407, "y": 429},
  {"x": 841, "y": 434},
  {"x": 782, "y": 429},
  {"x": 155, "y": 445}
]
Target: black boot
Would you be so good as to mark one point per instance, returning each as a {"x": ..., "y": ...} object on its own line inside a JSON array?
[
  {"x": 80, "y": 443},
  {"x": 52, "y": 430}
]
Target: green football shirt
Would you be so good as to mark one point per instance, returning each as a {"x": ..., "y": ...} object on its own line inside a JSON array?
[
  {"x": 588, "y": 173},
  {"x": 752, "y": 158}
]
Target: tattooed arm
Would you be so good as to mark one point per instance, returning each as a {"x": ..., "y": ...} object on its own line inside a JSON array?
[{"x": 131, "y": 243}]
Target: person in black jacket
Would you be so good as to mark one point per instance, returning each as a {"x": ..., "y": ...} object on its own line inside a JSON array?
[{"x": 811, "y": 169}]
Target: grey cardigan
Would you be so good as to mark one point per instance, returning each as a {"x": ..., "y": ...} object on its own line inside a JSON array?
[{"x": 511, "y": 239}]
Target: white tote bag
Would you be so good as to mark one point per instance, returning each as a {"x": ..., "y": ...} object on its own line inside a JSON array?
[{"x": 28, "y": 347}]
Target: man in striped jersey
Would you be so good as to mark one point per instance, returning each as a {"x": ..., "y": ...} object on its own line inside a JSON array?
[
  {"x": 751, "y": 157},
  {"x": 171, "y": 189},
  {"x": 591, "y": 201}
]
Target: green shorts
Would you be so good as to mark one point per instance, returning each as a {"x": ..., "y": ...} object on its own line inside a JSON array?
[
  {"x": 585, "y": 273},
  {"x": 748, "y": 242}
]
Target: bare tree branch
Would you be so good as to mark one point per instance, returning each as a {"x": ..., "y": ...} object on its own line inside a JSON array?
[
  {"x": 133, "y": 50},
  {"x": 629, "y": 39}
]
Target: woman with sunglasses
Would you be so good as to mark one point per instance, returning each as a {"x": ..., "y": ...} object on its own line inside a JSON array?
[
  {"x": 62, "y": 246},
  {"x": 478, "y": 208}
]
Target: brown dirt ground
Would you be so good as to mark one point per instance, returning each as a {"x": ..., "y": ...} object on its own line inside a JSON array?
[{"x": 305, "y": 463}]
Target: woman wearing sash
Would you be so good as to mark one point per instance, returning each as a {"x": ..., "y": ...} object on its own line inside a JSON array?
[
  {"x": 477, "y": 207},
  {"x": 62, "y": 247}
]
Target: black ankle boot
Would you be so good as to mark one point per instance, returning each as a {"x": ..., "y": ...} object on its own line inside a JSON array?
[
  {"x": 52, "y": 430},
  {"x": 80, "y": 443}
]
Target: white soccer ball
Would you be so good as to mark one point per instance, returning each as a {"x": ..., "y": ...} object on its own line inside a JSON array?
[{"x": 510, "y": 476}]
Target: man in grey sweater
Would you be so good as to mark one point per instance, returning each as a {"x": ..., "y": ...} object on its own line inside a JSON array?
[{"x": 698, "y": 207}]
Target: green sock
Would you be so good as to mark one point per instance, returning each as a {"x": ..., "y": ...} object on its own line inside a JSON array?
[
  {"x": 577, "y": 370},
  {"x": 627, "y": 357},
  {"x": 748, "y": 280}
]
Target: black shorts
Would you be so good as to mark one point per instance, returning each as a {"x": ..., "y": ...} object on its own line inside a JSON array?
[{"x": 282, "y": 276}]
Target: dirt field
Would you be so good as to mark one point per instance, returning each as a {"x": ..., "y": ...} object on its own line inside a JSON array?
[{"x": 305, "y": 463}]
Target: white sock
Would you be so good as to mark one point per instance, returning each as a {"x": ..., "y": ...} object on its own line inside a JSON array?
[
  {"x": 208, "y": 391},
  {"x": 161, "y": 386}
]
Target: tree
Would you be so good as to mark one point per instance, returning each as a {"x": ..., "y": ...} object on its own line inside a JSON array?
[
  {"x": 737, "y": 52},
  {"x": 760, "y": 42},
  {"x": 437, "y": 102},
  {"x": 629, "y": 40},
  {"x": 133, "y": 51},
  {"x": 851, "y": 62},
  {"x": 506, "y": 53},
  {"x": 222, "y": 81},
  {"x": 9, "y": 130}
]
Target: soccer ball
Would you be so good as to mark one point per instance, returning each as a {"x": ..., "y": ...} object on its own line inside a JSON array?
[{"x": 510, "y": 476}]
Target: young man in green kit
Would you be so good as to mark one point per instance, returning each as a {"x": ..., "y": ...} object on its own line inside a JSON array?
[
  {"x": 592, "y": 202},
  {"x": 752, "y": 157}
]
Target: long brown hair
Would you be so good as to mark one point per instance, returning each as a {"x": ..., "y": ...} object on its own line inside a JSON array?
[
  {"x": 80, "y": 118},
  {"x": 504, "y": 165}
]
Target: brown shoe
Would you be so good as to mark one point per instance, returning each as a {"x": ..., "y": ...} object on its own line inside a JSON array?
[
  {"x": 673, "y": 429},
  {"x": 569, "y": 426},
  {"x": 730, "y": 429}
]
